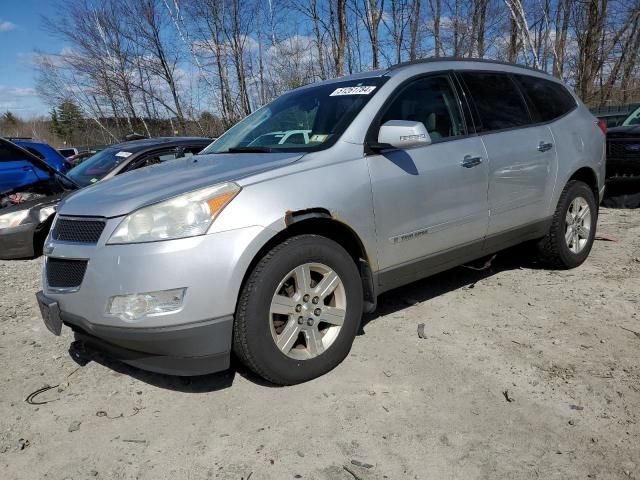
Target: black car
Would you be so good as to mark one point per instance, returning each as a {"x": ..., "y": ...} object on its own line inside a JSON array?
[
  {"x": 26, "y": 214},
  {"x": 623, "y": 148}
]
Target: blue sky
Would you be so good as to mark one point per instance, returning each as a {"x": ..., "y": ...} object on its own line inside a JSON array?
[{"x": 21, "y": 34}]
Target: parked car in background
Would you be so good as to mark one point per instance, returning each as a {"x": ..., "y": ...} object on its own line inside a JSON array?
[
  {"x": 275, "y": 251},
  {"x": 28, "y": 209},
  {"x": 135, "y": 154},
  {"x": 614, "y": 115},
  {"x": 623, "y": 148},
  {"x": 68, "y": 152},
  {"x": 17, "y": 173}
]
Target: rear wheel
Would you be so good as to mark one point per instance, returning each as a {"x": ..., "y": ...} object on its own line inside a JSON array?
[
  {"x": 299, "y": 310},
  {"x": 573, "y": 227}
]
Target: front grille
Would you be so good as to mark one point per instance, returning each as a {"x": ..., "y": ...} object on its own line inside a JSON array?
[
  {"x": 63, "y": 273},
  {"x": 80, "y": 231},
  {"x": 618, "y": 149}
]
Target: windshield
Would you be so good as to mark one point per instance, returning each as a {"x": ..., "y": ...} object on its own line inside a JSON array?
[
  {"x": 304, "y": 120},
  {"x": 96, "y": 167},
  {"x": 633, "y": 119}
]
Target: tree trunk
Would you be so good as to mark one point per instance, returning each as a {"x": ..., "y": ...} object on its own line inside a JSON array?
[
  {"x": 341, "y": 16},
  {"x": 413, "y": 28},
  {"x": 319, "y": 45},
  {"x": 513, "y": 42},
  {"x": 373, "y": 15},
  {"x": 482, "y": 23},
  {"x": 564, "y": 12},
  {"x": 436, "y": 13},
  {"x": 630, "y": 65},
  {"x": 588, "y": 44}
]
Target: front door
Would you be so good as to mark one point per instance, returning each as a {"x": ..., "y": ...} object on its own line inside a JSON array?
[{"x": 431, "y": 199}]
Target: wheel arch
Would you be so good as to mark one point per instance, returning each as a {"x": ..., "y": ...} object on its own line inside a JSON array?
[
  {"x": 588, "y": 176},
  {"x": 319, "y": 221}
]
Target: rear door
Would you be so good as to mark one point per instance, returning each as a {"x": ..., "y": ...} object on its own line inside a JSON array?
[
  {"x": 522, "y": 163},
  {"x": 427, "y": 199}
]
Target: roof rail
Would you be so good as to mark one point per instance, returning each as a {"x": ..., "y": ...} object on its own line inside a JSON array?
[
  {"x": 460, "y": 59},
  {"x": 19, "y": 138}
]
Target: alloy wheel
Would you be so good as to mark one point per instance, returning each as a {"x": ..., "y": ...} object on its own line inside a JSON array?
[
  {"x": 307, "y": 311},
  {"x": 578, "y": 225}
]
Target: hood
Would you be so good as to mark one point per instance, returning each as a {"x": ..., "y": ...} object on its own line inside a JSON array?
[
  {"x": 40, "y": 201},
  {"x": 624, "y": 131},
  {"x": 130, "y": 191}
]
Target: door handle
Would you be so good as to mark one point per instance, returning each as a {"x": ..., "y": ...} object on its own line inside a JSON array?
[
  {"x": 544, "y": 146},
  {"x": 468, "y": 161}
]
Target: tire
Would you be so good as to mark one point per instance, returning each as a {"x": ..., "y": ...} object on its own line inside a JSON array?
[
  {"x": 268, "y": 337},
  {"x": 558, "y": 248}
]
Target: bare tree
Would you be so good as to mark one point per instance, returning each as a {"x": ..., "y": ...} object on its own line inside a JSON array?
[
  {"x": 338, "y": 32},
  {"x": 436, "y": 14},
  {"x": 521, "y": 29},
  {"x": 152, "y": 65},
  {"x": 397, "y": 25},
  {"x": 414, "y": 22},
  {"x": 236, "y": 30},
  {"x": 147, "y": 26},
  {"x": 370, "y": 12}
]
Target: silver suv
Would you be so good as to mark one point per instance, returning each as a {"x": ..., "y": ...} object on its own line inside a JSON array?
[{"x": 273, "y": 250}]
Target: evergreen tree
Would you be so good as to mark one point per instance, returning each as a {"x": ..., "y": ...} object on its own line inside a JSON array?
[
  {"x": 9, "y": 124},
  {"x": 66, "y": 120},
  {"x": 9, "y": 119}
]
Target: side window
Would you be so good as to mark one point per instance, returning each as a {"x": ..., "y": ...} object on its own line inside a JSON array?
[
  {"x": 548, "y": 100},
  {"x": 164, "y": 157},
  {"x": 432, "y": 101},
  {"x": 497, "y": 100},
  {"x": 152, "y": 159},
  {"x": 188, "y": 151}
]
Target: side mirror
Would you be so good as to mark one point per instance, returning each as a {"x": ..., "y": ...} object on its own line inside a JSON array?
[{"x": 403, "y": 134}]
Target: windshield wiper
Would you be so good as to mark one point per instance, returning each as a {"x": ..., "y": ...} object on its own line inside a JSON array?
[{"x": 250, "y": 150}]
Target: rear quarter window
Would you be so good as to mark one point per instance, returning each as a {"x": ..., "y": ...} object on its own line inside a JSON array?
[
  {"x": 548, "y": 100},
  {"x": 35, "y": 152},
  {"x": 499, "y": 104}
]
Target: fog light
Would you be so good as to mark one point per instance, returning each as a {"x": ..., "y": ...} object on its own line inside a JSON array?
[{"x": 135, "y": 306}]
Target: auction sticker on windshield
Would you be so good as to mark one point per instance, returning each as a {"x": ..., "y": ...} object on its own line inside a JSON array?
[
  {"x": 123, "y": 154},
  {"x": 361, "y": 90}
]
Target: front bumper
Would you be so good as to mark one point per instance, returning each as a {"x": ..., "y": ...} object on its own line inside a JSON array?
[
  {"x": 194, "y": 349},
  {"x": 17, "y": 242},
  {"x": 193, "y": 340}
]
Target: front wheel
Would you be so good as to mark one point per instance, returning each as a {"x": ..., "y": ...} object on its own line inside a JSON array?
[
  {"x": 573, "y": 227},
  {"x": 299, "y": 310}
]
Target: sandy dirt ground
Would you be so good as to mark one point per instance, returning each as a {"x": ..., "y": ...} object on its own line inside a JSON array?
[{"x": 525, "y": 373}]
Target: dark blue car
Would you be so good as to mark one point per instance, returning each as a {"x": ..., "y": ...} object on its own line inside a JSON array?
[{"x": 19, "y": 172}]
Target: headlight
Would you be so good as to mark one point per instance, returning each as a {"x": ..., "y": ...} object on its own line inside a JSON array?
[
  {"x": 134, "y": 307},
  {"x": 188, "y": 215},
  {"x": 13, "y": 219},
  {"x": 45, "y": 213}
]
